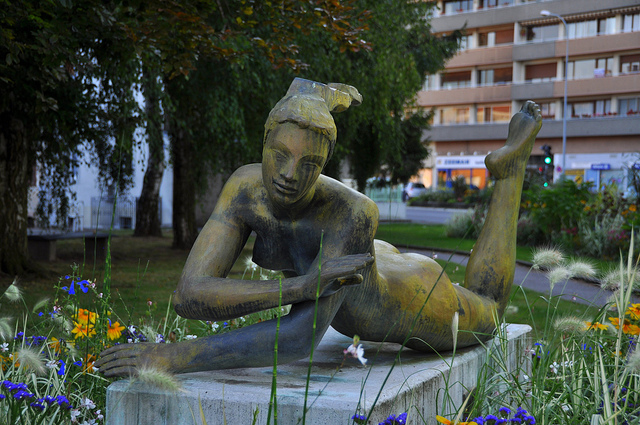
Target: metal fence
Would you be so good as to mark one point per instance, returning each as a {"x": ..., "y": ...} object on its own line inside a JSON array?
[{"x": 120, "y": 211}]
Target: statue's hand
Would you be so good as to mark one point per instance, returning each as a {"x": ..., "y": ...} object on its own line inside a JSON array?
[
  {"x": 126, "y": 359},
  {"x": 336, "y": 273}
]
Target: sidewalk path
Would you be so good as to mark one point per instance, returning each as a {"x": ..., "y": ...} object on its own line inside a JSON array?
[{"x": 584, "y": 292}]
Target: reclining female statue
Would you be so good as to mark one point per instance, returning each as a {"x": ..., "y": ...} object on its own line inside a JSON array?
[{"x": 302, "y": 218}]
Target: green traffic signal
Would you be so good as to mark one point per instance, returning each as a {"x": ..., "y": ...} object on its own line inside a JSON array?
[{"x": 547, "y": 160}]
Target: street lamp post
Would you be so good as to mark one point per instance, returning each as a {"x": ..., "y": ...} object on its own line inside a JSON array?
[{"x": 566, "y": 70}]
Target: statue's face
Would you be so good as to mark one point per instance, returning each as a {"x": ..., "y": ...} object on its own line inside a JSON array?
[{"x": 292, "y": 159}]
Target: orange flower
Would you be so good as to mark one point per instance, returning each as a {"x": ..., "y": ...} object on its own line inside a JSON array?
[
  {"x": 114, "y": 331},
  {"x": 633, "y": 311},
  {"x": 595, "y": 326},
  {"x": 85, "y": 316},
  {"x": 87, "y": 364},
  {"x": 632, "y": 208},
  {"x": 81, "y": 330},
  {"x": 449, "y": 422},
  {"x": 627, "y": 327}
]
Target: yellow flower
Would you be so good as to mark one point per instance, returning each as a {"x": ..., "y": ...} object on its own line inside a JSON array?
[
  {"x": 595, "y": 326},
  {"x": 114, "y": 331},
  {"x": 81, "y": 330},
  {"x": 85, "y": 316},
  {"x": 632, "y": 208}
]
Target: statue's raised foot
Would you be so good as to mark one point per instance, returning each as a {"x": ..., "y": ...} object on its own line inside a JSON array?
[{"x": 512, "y": 157}]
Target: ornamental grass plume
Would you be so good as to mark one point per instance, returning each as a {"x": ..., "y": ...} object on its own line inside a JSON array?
[
  {"x": 158, "y": 378},
  {"x": 28, "y": 358},
  {"x": 13, "y": 293},
  {"x": 6, "y": 330},
  {"x": 545, "y": 258},
  {"x": 633, "y": 361},
  {"x": 569, "y": 324},
  {"x": 558, "y": 274},
  {"x": 620, "y": 276},
  {"x": 581, "y": 269}
]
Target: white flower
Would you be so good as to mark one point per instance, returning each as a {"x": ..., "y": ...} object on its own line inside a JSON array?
[
  {"x": 356, "y": 352},
  {"x": 89, "y": 422},
  {"x": 554, "y": 367},
  {"x": 52, "y": 364},
  {"x": 99, "y": 415},
  {"x": 132, "y": 329},
  {"x": 215, "y": 326},
  {"x": 158, "y": 338},
  {"x": 4, "y": 347},
  {"x": 87, "y": 403},
  {"x": 100, "y": 295},
  {"x": 74, "y": 414},
  {"x": 190, "y": 337}
]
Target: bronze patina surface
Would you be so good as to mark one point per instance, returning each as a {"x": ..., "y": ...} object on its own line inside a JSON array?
[{"x": 367, "y": 287}]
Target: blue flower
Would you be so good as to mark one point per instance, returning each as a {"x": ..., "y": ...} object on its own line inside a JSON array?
[
  {"x": 22, "y": 394},
  {"x": 2, "y": 396},
  {"x": 83, "y": 284},
  {"x": 505, "y": 411},
  {"x": 78, "y": 363},
  {"x": 359, "y": 419},
  {"x": 63, "y": 402},
  {"x": 63, "y": 366},
  {"x": 37, "y": 405}
]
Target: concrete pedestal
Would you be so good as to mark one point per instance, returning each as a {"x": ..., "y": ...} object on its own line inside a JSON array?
[{"x": 417, "y": 385}]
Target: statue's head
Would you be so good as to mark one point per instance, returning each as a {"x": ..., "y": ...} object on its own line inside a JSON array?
[
  {"x": 309, "y": 105},
  {"x": 299, "y": 138}
]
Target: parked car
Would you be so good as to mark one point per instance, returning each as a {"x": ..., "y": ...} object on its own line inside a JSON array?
[{"x": 411, "y": 190}]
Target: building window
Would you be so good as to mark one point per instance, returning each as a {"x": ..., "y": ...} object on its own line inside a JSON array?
[
  {"x": 592, "y": 27},
  {"x": 454, "y": 115},
  {"x": 540, "y": 72},
  {"x": 594, "y": 108},
  {"x": 493, "y": 113},
  {"x": 495, "y": 38},
  {"x": 629, "y": 64},
  {"x": 495, "y": 76},
  {"x": 539, "y": 33},
  {"x": 547, "y": 110},
  {"x": 457, "y": 6},
  {"x": 451, "y": 80},
  {"x": 465, "y": 42},
  {"x": 488, "y": 3},
  {"x": 629, "y": 106},
  {"x": 590, "y": 68},
  {"x": 631, "y": 22}
]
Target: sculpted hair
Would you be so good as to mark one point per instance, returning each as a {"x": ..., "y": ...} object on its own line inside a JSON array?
[{"x": 309, "y": 105}]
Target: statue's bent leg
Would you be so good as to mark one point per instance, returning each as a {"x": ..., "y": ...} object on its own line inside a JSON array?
[{"x": 492, "y": 263}]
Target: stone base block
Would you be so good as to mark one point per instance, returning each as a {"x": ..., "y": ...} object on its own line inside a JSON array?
[{"x": 338, "y": 388}]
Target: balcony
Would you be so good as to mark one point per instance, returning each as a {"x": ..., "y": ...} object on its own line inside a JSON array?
[{"x": 467, "y": 95}]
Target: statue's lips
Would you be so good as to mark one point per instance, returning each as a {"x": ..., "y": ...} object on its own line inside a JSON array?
[{"x": 285, "y": 190}]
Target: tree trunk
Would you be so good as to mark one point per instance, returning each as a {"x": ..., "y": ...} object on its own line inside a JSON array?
[
  {"x": 15, "y": 173},
  {"x": 147, "y": 217},
  {"x": 184, "y": 191}
]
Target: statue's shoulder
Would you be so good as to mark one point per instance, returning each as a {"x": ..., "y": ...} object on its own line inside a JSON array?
[
  {"x": 247, "y": 177},
  {"x": 346, "y": 196}
]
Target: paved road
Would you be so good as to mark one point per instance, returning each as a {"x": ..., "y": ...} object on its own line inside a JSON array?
[
  {"x": 574, "y": 290},
  {"x": 431, "y": 215}
]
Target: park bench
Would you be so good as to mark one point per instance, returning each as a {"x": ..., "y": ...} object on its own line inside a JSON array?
[{"x": 42, "y": 246}]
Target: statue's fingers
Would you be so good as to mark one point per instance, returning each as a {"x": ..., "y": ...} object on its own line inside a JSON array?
[
  {"x": 121, "y": 371},
  {"x": 115, "y": 349},
  {"x": 354, "y": 279}
]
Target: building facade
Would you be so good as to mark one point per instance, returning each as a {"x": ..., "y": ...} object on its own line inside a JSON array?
[{"x": 515, "y": 51}]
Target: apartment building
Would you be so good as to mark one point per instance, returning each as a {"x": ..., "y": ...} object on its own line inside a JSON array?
[{"x": 514, "y": 51}]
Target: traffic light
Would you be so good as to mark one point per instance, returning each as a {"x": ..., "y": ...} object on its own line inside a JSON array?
[
  {"x": 548, "y": 165},
  {"x": 548, "y": 159}
]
